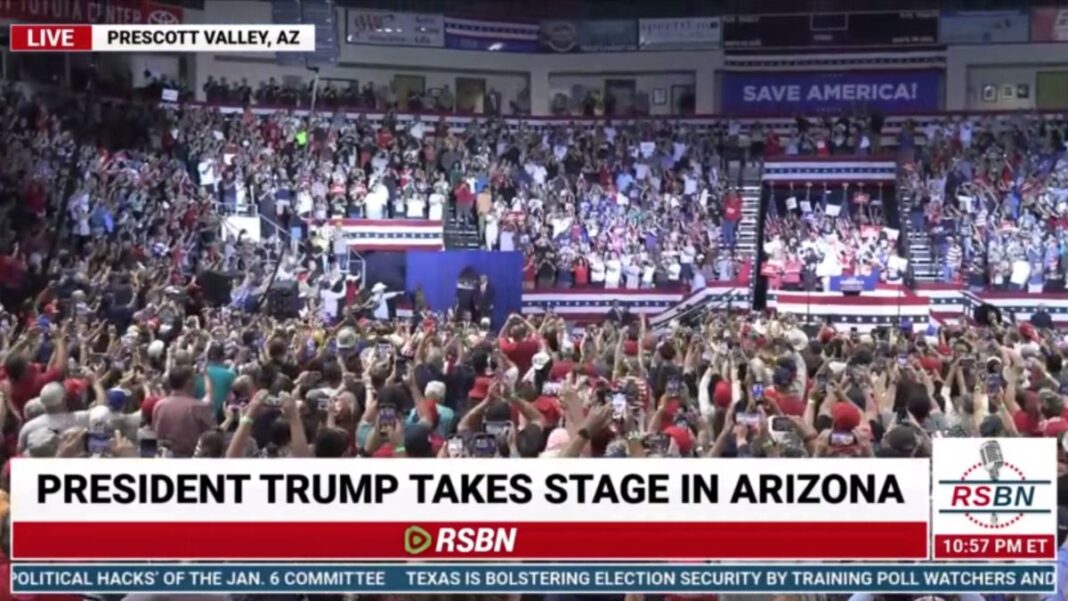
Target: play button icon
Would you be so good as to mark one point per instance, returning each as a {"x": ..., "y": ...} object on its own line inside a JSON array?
[{"x": 416, "y": 540}]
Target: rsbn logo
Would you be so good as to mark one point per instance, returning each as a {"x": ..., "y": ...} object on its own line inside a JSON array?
[
  {"x": 418, "y": 540},
  {"x": 993, "y": 493}
]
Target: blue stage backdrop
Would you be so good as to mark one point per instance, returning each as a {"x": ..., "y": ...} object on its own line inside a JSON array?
[
  {"x": 387, "y": 267},
  {"x": 438, "y": 272}
]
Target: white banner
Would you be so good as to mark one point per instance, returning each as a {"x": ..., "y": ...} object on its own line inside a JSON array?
[
  {"x": 995, "y": 498},
  {"x": 386, "y": 28},
  {"x": 252, "y": 490},
  {"x": 679, "y": 34}
]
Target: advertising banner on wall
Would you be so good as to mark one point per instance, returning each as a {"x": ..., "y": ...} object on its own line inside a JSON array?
[
  {"x": 608, "y": 35},
  {"x": 1049, "y": 25},
  {"x": 829, "y": 30},
  {"x": 679, "y": 34},
  {"x": 387, "y": 28},
  {"x": 589, "y": 36},
  {"x": 559, "y": 36},
  {"x": 110, "y": 12},
  {"x": 984, "y": 27},
  {"x": 788, "y": 93},
  {"x": 495, "y": 36}
]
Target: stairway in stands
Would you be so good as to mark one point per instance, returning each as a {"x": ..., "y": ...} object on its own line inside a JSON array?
[
  {"x": 460, "y": 236},
  {"x": 922, "y": 262},
  {"x": 749, "y": 181},
  {"x": 746, "y": 238}
]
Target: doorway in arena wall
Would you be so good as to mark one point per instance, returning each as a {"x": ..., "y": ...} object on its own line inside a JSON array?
[{"x": 470, "y": 94}]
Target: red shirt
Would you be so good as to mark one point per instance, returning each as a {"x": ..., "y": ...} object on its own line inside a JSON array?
[
  {"x": 521, "y": 353},
  {"x": 12, "y": 271},
  {"x": 31, "y": 383},
  {"x": 582, "y": 274},
  {"x": 384, "y": 138},
  {"x": 732, "y": 208},
  {"x": 789, "y": 403},
  {"x": 1054, "y": 427},
  {"x": 560, "y": 370},
  {"x": 35, "y": 199},
  {"x": 1025, "y": 424},
  {"x": 464, "y": 195}
]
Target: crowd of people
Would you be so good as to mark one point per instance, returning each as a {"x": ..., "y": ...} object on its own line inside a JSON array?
[
  {"x": 815, "y": 234},
  {"x": 992, "y": 195},
  {"x": 111, "y": 347},
  {"x": 628, "y": 205},
  {"x": 351, "y": 95}
]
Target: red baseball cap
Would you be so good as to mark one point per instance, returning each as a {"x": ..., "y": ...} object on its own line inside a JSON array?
[
  {"x": 549, "y": 408},
  {"x": 722, "y": 395},
  {"x": 846, "y": 416},
  {"x": 147, "y": 407},
  {"x": 75, "y": 387},
  {"x": 930, "y": 363},
  {"x": 682, "y": 437}
]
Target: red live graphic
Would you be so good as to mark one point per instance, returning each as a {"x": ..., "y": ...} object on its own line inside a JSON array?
[
  {"x": 994, "y": 546},
  {"x": 51, "y": 38},
  {"x": 434, "y": 540}
]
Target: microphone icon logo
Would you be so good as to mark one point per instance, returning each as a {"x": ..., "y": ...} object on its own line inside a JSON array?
[{"x": 993, "y": 461}]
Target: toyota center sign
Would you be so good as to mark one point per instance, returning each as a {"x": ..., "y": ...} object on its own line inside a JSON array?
[{"x": 110, "y": 12}]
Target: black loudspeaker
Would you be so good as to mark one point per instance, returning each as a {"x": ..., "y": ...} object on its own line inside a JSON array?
[
  {"x": 216, "y": 287},
  {"x": 986, "y": 315},
  {"x": 283, "y": 300}
]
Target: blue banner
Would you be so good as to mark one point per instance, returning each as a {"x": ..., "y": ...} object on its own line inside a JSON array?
[
  {"x": 443, "y": 578},
  {"x": 854, "y": 283},
  {"x": 822, "y": 92},
  {"x": 495, "y": 36}
]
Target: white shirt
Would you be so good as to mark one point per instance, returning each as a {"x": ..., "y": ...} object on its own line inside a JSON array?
[
  {"x": 698, "y": 282},
  {"x": 436, "y": 200},
  {"x": 416, "y": 205},
  {"x": 679, "y": 151},
  {"x": 206, "y": 171},
  {"x": 561, "y": 225},
  {"x": 330, "y": 300},
  {"x": 304, "y": 202},
  {"x": 613, "y": 271},
  {"x": 597, "y": 272},
  {"x": 375, "y": 200},
  {"x": 689, "y": 185},
  {"x": 381, "y": 306},
  {"x": 536, "y": 172},
  {"x": 687, "y": 256},
  {"x": 52, "y": 421}
]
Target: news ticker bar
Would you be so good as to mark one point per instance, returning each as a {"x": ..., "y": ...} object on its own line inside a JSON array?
[
  {"x": 532, "y": 578},
  {"x": 162, "y": 38}
]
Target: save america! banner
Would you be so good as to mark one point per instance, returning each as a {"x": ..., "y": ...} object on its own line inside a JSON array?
[{"x": 755, "y": 94}]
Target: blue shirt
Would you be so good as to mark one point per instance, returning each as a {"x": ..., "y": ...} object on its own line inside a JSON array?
[{"x": 446, "y": 420}]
